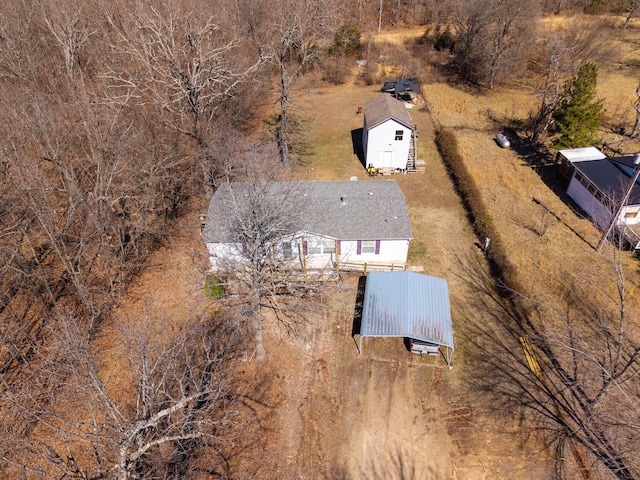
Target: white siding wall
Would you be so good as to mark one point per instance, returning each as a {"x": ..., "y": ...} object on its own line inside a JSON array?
[
  {"x": 382, "y": 150},
  {"x": 391, "y": 251},
  {"x": 631, "y": 214},
  {"x": 221, "y": 253},
  {"x": 585, "y": 199},
  {"x": 320, "y": 252}
]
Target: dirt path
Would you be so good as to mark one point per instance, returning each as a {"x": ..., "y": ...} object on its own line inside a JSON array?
[{"x": 383, "y": 414}]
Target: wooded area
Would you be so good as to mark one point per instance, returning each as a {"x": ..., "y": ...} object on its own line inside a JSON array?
[{"x": 115, "y": 116}]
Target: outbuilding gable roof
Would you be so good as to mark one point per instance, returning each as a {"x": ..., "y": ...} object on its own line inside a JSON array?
[
  {"x": 385, "y": 107},
  {"x": 351, "y": 210}
]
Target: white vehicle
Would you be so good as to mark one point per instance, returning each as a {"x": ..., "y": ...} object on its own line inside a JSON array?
[{"x": 423, "y": 348}]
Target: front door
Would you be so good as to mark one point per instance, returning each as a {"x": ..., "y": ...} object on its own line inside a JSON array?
[{"x": 387, "y": 159}]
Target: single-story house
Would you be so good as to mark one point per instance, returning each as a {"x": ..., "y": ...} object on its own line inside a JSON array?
[
  {"x": 388, "y": 139},
  {"x": 599, "y": 185},
  {"x": 410, "y": 305},
  {"x": 330, "y": 225}
]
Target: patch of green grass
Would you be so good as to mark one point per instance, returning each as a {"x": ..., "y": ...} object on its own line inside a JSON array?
[
  {"x": 417, "y": 251},
  {"x": 213, "y": 288}
]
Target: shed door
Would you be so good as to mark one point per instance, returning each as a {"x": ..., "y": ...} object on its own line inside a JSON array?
[{"x": 387, "y": 159}]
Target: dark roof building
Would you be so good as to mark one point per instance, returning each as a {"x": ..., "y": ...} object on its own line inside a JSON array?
[
  {"x": 611, "y": 176},
  {"x": 602, "y": 187},
  {"x": 400, "y": 86}
]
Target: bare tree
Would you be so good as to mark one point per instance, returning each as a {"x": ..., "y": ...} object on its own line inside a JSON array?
[
  {"x": 514, "y": 21},
  {"x": 490, "y": 38},
  {"x": 70, "y": 29},
  {"x": 169, "y": 396},
  {"x": 185, "y": 64},
  {"x": 632, "y": 7},
  {"x": 636, "y": 106},
  {"x": 571, "y": 366},
  {"x": 290, "y": 34},
  {"x": 257, "y": 219}
]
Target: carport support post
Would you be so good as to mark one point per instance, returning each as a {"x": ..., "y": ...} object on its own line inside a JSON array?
[{"x": 304, "y": 261}]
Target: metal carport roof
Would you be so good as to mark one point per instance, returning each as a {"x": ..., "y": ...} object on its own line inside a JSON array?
[{"x": 407, "y": 304}]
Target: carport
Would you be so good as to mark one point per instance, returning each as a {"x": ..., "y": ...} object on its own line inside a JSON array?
[{"x": 407, "y": 304}]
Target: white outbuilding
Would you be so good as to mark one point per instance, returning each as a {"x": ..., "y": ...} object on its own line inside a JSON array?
[
  {"x": 606, "y": 188},
  {"x": 388, "y": 135}
]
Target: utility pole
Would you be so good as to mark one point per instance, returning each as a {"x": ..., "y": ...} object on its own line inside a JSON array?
[{"x": 636, "y": 173}]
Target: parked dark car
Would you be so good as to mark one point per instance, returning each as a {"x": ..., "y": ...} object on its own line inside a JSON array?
[{"x": 401, "y": 85}]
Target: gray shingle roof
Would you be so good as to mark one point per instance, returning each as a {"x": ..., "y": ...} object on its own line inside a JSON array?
[
  {"x": 384, "y": 107},
  {"x": 360, "y": 210}
]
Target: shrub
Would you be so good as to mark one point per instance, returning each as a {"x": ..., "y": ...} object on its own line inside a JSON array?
[
  {"x": 595, "y": 7},
  {"x": 500, "y": 264},
  {"x": 445, "y": 41},
  {"x": 213, "y": 288}
]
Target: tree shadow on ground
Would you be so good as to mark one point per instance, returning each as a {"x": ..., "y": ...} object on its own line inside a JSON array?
[
  {"x": 541, "y": 160},
  {"x": 545, "y": 164},
  {"x": 391, "y": 465}
]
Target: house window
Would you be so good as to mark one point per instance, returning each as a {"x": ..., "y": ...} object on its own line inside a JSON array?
[
  {"x": 368, "y": 246},
  {"x": 287, "y": 251},
  {"x": 328, "y": 246},
  {"x": 630, "y": 214},
  {"x": 315, "y": 248},
  {"x": 320, "y": 247},
  {"x": 399, "y": 134}
]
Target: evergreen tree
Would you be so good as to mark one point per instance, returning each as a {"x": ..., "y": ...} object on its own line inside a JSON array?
[
  {"x": 347, "y": 39},
  {"x": 577, "y": 118}
]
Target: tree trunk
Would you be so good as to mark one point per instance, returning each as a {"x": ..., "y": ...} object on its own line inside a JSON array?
[
  {"x": 257, "y": 324},
  {"x": 282, "y": 132},
  {"x": 636, "y": 106}
]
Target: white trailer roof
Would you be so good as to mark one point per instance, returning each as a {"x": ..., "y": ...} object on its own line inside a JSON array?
[{"x": 582, "y": 154}]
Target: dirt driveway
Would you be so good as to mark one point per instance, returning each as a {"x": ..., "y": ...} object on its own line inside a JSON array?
[{"x": 385, "y": 414}]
